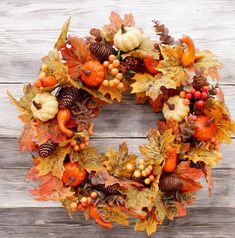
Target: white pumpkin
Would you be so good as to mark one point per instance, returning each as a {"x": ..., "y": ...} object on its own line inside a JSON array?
[
  {"x": 44, "y": 106},
  {"x": 175, "y": 108},
  {"x": 128, "y": 38}
]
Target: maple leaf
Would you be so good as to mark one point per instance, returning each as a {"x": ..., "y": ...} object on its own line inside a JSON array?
[
  {"x": 89, "y": 159},
  {"x": 61, "y": 195},
  {"x": 206, "y": 64},
  {"x": 150, "y": 225},
  {"x": 59, "y": 70},
  {"x": 77, "y": 54},
  {"x": 115, "y": 24},
  {"x": 224, "y": 124},
  {"x": 155, "y": 152},
  {"x": 61, "y": 41},
  {"x": 209, "y": 157},
  {"x": 116, "y": 161},
  {"x": 114, "y": 92},
  {"x": 151, "y": 85},
  {"x": 53, "y": 163},
  {"x": 48, "y": 130},
  {"x": 171, "y": 65}
]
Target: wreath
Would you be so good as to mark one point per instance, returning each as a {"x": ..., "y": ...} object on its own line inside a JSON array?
[{"x": 80, "y": 75}]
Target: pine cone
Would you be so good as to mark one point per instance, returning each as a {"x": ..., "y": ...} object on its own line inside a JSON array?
[
  {"x": 67, "y": 97},
  {"x": 198, "y": 165},
  {"x": 132, "y": 63},
  {"x": 117, "y": 200},
  {"x": 199, "y": 81},
  {"x": 187, "y": 128},
  {"x": 47, "y": 148},
  {"x": 170, "y": 183},
  {"x": 112, "y": 189},
  {"x": 101, "y": 50}
]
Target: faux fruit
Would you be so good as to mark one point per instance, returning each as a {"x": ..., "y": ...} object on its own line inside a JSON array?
[
  {"x": 48, "y": 81},
  {"x": 73, "y": 174},
  {"x": 44, "y": 106},
  {"x": 171, "y": 160},
  {"x": 175, "y": 108},
  {"x": 151, "y": 64},
  {"x": 93, "y": 73},
  {"x": 63, "y": 117},
  {"x": 188, "y": 57},
  {"x": 127, "y": 38},
  {"x": 205, "y": 128}
]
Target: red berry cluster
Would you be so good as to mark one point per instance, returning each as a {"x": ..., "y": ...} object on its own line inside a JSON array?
[{"x": 198, "y": 96}]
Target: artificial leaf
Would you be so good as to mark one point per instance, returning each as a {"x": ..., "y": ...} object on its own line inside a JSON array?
[
  {"x": 209, "y": 179},
  {"x": 89, "y": 159},
  {"x": 53, "y": 163},
  {"x": 224, "y": 124},
  {"x": 158, "y": 103},
  {"x": 150, "y": 225},
  {"x": 48, "y": 130},
  {"x": 155, "y": 152},
  {"x": 114, "y": 214},
  {"x": 171, "y": 65},
  {"x": 151, "y": 85},
  {"x": 75, "y": 55},
  {"x": 113, "y": 92},
  {"x": 209, "y": 157},
  {"x": 116, "y": 161},
  {"x": 61, "y": 41},
  {"x": 206, "y": 64},
  {"x": 63, "y": 194},
  {"x": 115, "y": 24}
]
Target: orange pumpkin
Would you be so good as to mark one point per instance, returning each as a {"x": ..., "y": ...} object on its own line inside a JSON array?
[
  {"x": 205, "y": 128},
  {"x": 93, "y": 73},
  {"x": 48, "y": 81},
  {"x": 73, "y": 174},
  {"x": 151, "y": 64},
  {"x": 171, "y": 160}
]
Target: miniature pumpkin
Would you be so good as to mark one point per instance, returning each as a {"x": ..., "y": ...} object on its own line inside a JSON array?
[
  {"x": 48, "y": 81},
  {"x": 44, "y": 106},
  {"x": 171, "y": 160},
  {"x": 205, "y": 128},
  {"x": 188, "y": 57},
  {"x": 73, "y": 174},
  {"x": 127, "y": 38},
  {"x": 175, "y": 108},
  {"x": 93, "y": 73},
  {"x": 151, "y": 64}
]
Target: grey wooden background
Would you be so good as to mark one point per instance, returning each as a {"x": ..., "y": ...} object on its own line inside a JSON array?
[{"x": 28, "y": 30}]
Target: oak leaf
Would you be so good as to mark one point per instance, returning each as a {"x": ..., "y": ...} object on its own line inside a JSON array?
[
  {"x": 116, "y": 161},
  {"x": 53, "y": 163},
  {"x": 151, "y": 85},
  {"x": 113, "y": 92}
]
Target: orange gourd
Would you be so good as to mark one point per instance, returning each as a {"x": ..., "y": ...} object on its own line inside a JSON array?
[
  {"x": 151, "y": 64},
  {"x": 93, "y": 73},
  {"x": 188, "y": 57},
  {"x": 48, "y": 81},
  {"x": 171, "y": 160},
  {"x": 205, "y": 128},
  {"x": 73, "y": 174},
  {"x": 63, "y": 117}
]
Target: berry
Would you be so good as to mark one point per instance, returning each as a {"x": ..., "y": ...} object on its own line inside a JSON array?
[
  {"x": 114, "y": 71},
  {"x": 44, "y": 67},
  {"x": 112, "y": 58},
  {"x": 105, "y": 83},
  {"x": 148, "y": 171},
  {"x": 76, "y": 148},
  {"x": 200, "y": 103},
  {"x": 82, "y": 146},
  {"x": 147, "y": 181},
  {"x": 137, "y": 174},
  {"x": 86, "y": 138},
  {"x": 141, "y": 162},
  {"x": 205, "y": 89},
  {"x": 193, "y": 91},
  {"x": 119, "y": 76},
  {"x": 73, "y": 142},
  {"x": 106, "y": 64},
  {"x": 110, "y": 66},
  {"x": 197, "y": 94},
  {"x": 87, "y": 143},
  {"x": 89, "y": 200},
  {"x": 151, "y": 177},
  {"x": 94, "y": 195},
  {"x": 182, "y": 94},
  {"x": 188, "y": 96},
  {"x": 143, "y": 173},
  {"x": 120, "y": 86},
  {"x": 141, "y": 167},
  {"x": 84, "y": 200},
  {"x": 111, "y": 83},
  {"x": 73, "y": 205},
  {"x": 116, "y": 63},
  {"x": 129, "y": 167},
  {"x": 116, "y": 82},
  {"x": 204, "y": 95},
  {"x": 150, "y": 167},
  {"x": 186, "y": 101}
]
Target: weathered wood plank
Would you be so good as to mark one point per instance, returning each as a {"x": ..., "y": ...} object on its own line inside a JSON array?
[
  {"x": 29, "y": 28},
  {"x": 55, "y": 223},
  {"x": 116, "y": 120}
]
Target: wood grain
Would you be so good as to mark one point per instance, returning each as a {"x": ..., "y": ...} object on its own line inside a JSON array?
[{"x": 28, "y": 31}]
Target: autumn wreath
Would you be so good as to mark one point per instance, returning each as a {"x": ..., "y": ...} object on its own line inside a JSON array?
[{"x": 80, "y": 75}]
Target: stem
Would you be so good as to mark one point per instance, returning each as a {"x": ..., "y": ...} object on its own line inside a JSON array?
[
  {"x": 71, "y": 180},
  {"x": 38, "y": 106},
  {"x": 86, "y": 72},
  {"x": 123, "y": 29},
  {"x": 171, "y": 106},
  {"x": 208, "y": 123}
]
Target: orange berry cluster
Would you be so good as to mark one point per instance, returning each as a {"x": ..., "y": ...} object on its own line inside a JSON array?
[
  {"x": 113, "y": 66},
  {"x": 83, "y": 142},
  {"x": 144, "y": 172}
]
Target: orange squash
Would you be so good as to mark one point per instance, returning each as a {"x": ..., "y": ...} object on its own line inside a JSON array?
[
  {"x": 48, "y": 81},
  {"x": 63, "y": 117},
  {"x": 188, "y": 57},
  {"x": 151, "y": 64},
  {"x": 73, "y": 174},
  {"x": 171, "y": 160},
  {"x": 93, "y": 73}
]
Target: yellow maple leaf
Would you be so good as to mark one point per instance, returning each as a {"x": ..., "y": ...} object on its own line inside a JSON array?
[
  {"x": 151, "y": 85},
  {"x": 224, "y": 124},
  {"x": 150, "y": 225},
  {"x": 53, "y": 163},
  {"x": 206, "y": 64},
  {"x": 116, "y": 161},
  {"x": 209, "y": 157},
  {"x": 96, "y": 94},
  {"x": 171, "y": 65},
  {"x": 114, "y": 92}
]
